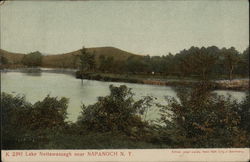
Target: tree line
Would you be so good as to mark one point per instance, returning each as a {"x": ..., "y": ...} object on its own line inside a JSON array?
[
  {"x": 33, "y": 59},
  {"x": 203, "y": 63},
  {"x": 199, "y": 118}
]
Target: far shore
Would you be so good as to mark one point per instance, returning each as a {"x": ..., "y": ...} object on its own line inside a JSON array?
[
  {"x": 241, "y": 84},
  {"x": 38, "y": 70}
]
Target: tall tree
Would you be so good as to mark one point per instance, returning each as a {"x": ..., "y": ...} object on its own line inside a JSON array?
[
  {"x": 87, "y": 60},
  {"x": 245, "y": 61},
  {"x": 203, "y": 63},
  {"x": 33, "y": 59},
  {"x": 197, "y": 61},
  {"x": 231, "y": 60}
]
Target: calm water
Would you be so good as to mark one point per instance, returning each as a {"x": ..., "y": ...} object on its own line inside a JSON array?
[{"x": 36, "y": 86}]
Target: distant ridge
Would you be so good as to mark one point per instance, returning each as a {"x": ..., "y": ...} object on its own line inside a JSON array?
[
  {"x": 67, "y": 59},
  {"x": 12, "y": 57}
]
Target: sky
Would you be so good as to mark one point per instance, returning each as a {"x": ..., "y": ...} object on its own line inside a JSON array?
[{"x": 141, "y": 27}]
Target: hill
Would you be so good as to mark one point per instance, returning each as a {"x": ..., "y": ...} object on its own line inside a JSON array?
[
  {"x": 68, "y": 60},
  {"x": 13, "y": 58}
]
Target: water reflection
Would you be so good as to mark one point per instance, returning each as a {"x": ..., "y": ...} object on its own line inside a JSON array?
[{"x": 33, "y": 74}]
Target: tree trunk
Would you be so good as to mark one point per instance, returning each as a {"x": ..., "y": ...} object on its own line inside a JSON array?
[
  {"x": 82, "y": 77},
  {"x": 204, "y": 74},
  {"x": 231, "y": 73}
]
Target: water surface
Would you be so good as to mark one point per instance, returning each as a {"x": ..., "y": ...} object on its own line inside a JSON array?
[{"x": 36, "y": 86}]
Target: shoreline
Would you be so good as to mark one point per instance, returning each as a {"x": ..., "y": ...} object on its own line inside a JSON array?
[
  {"x": 235, "y": 84},
  {"x": 40, "y": 70}
]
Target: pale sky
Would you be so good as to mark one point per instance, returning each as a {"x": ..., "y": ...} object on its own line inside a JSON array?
[{"x": 142, "y": 27}]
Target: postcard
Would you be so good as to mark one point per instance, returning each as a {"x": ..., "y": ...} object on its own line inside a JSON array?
[{"x": 124, "y": 80}]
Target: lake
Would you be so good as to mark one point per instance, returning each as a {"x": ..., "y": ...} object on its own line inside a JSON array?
[{"x": 36, "y": 86}]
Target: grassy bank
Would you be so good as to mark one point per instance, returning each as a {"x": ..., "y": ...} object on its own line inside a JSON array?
[{"x": 238, "y": 85}]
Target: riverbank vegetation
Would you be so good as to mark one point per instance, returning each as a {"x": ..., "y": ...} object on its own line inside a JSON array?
[
  {"x": 32, "y": 59},
  {"x": 184, "y": 68},
  {"x": 197, "y": 119},
  {"x": 200, "y": 63},
  {"x": 196, "y": 63},
  {"x": 189, "y": 65}
]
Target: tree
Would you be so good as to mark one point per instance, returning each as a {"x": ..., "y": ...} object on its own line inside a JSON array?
[
  {"x": 203, "y": 63},
  {"x": 231, "y": 60},
  {"x": 197, "y": 61},
  {"x": 14, "y": 110},
  {"x": 117, "y": 112},
  {"x": 246, "y": 57},
  {"x": 243, "y": 66},
  {"x": 169, "y": 64},
  {"x": 244, "y": 112},
  {"x": 184, "y": 65},
  {"x": 3, "y": 60},
  {"x": 136, "y": 64},
  {"x": 49, "y": 113},
  {"x": 203, "y": 119},
  {"x": 32, "y": 59},
  {"x": 87, "y": 60},
  {"x": 158, "y": 64},
  {"x": 27, "y": 125},
  {"x": 106, "y": 63}
]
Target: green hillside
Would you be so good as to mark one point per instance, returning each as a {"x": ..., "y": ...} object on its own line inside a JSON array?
[
  {"x": 13, "y": 58},
  {"x": 68, "y": 60}
]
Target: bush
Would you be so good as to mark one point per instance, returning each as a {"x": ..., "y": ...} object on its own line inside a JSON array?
[
  {"x": 197, "y": 119},
  {"x": 244, "y": 112},
  {"x": 117, "y": 112},
  {"x": 32, "y": 59},
  {"x": 49, "y": 113},
  {"x": 203, "y": 119},
  {"x": 14, "y": 111},
  {"x": 26, "y": 126},
  {"x": 94, "y": 140}
]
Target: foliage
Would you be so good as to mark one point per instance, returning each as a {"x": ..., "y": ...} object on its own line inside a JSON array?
[
  {"x": 3, "y": 60},
  {"x": 117, "y": 112},
  {"x": 14, "y": 110},
  {"x": 87, "y": 60},
  {"x": 197, "y": 61},
  {"x": 203, "y": 119},
  {"x": 49, "y": 113},
  {"x": 244, "y": 112},
  {"x": 198, "y": 118},
  {"x": 33, "y": 59},
  {"x": 136, "y": 65},
  {"x": 106, "y": 63},
  {"x": 26, "y": 125},
  {"x": 201, "y": 63},
  {"x": 243, "y": 65},
  {"x": 94, "y": 140},
  {"x": 231, "y": 59}
]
